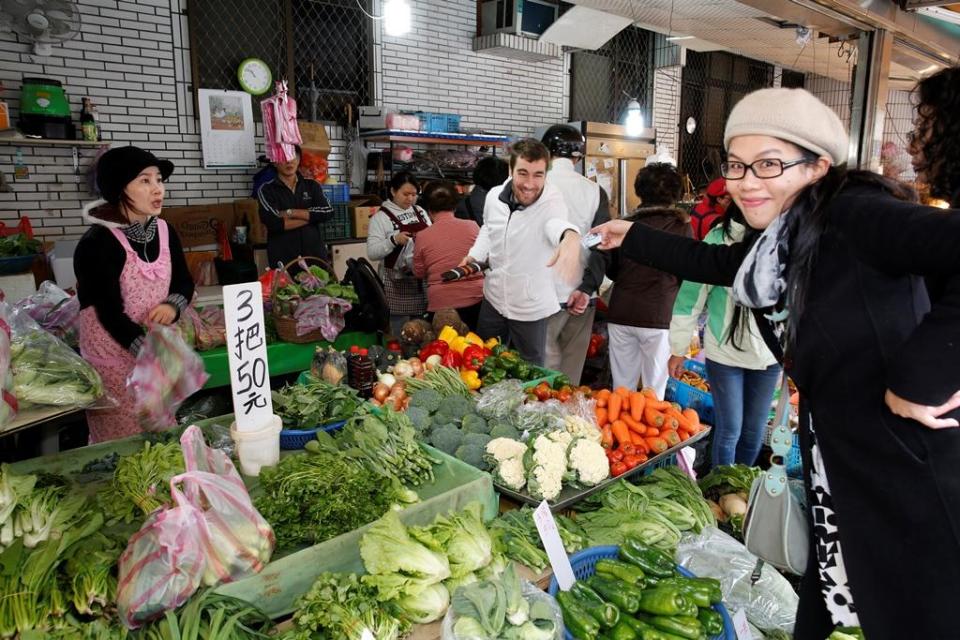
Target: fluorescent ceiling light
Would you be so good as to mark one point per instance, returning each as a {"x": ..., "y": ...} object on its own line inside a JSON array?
[{"x": 676, "y": 38}]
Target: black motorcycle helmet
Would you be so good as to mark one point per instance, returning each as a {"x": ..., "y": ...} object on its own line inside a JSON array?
[{"x": 564, "y": 141}]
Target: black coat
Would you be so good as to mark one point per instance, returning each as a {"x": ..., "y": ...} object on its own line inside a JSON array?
[{"x": 868, "y": 326}]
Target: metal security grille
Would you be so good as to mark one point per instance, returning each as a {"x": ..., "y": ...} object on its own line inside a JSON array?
[
  {"x": 602, "y": 82},
  {"x": 322, "y": 48},
  {"x": 895, "y": 159},
  {"x": 712, "y": 83}
]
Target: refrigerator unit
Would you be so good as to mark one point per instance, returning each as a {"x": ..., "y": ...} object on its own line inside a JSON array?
[{"x": 612, "y": 160}]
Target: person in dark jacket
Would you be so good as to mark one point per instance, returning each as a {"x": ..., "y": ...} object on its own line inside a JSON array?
[
  {"x": 293, "y": 208},
  {"x": 832, "y": 268},
  {"x": 490, "y": 172},
  {"x": 638, "y": 319}
]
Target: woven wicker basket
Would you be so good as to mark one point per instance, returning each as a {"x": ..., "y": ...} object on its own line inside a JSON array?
[{"x": 287, "y": 324}]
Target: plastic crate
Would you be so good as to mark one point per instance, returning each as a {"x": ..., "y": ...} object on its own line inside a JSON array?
[
  {"x": 669, "y": 461},
  {"x": 584, "y": 565},
  {"x": 339, "y": 192},
  {"x": 291, "y": 439},
  {"x": 338, "y": 227},
  {"x": 16, "y": 264},
  {"x": 439, "y": 122},
  {"x": 690, "y": 397}
]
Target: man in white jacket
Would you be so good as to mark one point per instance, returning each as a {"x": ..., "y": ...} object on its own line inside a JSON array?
[
  {"x": 568, "y": 330},
  {"x": 525, "y": 233}
]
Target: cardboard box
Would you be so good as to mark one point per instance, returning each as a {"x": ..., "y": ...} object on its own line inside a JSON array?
[
  {"x": 197, "y": 225},
  {"x": 249, "y": 208},
  {"x": 360, "y": 220},
  {"x": 314, "y": 136}
]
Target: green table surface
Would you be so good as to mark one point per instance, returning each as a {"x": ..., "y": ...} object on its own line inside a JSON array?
[{"x": 284, "y": 357}]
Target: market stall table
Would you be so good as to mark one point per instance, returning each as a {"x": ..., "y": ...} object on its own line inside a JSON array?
[
  {"x": 48, "y": 419},
  {"x": 284, "y": 357}
]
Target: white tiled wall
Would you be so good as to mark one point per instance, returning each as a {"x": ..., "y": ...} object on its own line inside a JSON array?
[{"x": 132, "y": 59}]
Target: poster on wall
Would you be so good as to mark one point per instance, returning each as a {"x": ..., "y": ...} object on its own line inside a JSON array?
[{"x": 227, "y": 129}]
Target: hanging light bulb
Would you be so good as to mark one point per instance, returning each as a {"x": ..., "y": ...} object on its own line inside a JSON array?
[
  {"x": 633, "y": 121},
  {"x": 396, "y": 17}
]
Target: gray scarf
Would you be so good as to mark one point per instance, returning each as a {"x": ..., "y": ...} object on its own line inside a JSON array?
[{"x": 762, "y": 278}]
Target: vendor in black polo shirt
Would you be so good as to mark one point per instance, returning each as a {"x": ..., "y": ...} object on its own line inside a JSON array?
[{"x": 293, "y": 208}]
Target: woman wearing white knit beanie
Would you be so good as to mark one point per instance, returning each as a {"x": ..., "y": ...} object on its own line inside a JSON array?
[{"x": 831, "y": 267}]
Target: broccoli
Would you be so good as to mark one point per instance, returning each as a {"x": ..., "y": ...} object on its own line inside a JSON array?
[
  {"x": 428, "y": 399},
  {"x": 420, "y": 418},
  {"x": 456, "y": 407},
  {"x": 504, "y": 430},
  {"x": 472, "y": 423},
  {"x": 473, "y": 455},
  {"x": 476, "y": 438},
  {"x": 446, "y": 438}
]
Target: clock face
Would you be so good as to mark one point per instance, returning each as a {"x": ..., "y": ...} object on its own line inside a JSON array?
[{"x": 254, "y": 76}]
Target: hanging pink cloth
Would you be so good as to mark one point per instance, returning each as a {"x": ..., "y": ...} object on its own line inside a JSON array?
[{"x": 280, "y": 129}]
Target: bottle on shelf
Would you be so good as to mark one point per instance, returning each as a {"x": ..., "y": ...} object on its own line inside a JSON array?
[
  {"x": 88, "y": 121},
  {"x": 366, "y": 374}
]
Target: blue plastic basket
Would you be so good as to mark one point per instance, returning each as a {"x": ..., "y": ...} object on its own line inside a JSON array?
[
  {"x": 669, "y": 461},
  {"x": 16, "y": 264},
  {"x": 339, "y": 192},
  {"x": 690, "y": 397},
  {"x": 291, "y": 439},
  {"x": 584, "y": 565},
  {"x": 439, "y": 122}
]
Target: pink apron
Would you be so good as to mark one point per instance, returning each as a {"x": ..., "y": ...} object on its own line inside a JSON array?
[{"x": 143, "y": 285}]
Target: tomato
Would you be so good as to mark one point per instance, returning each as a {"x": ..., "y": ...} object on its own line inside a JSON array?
[
  {"x": 618, "y": 469},
  {"x": 563, "y": 396},
  {"x": 616, "y": 455},
  {"x": 628, "y": 450},
  {"x": 632, "y": 461},
  {"x": 542, "y": 391}
]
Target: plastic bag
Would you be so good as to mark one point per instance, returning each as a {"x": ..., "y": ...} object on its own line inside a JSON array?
[
  {"x": 54, "y": 310},
  {"x": 531, "y": 593},
  {"x": 403, "y": 267},
  {"x": 536, "y": 418},
  {"x": 213, "y": 534},
  {"x": 324, "y": 313},
  {"x": 8, "y": 402},
  {"x": 771, "y": 603},
  {"x": 500, "y": 400},
  {"x": 166, "y": 373},
  {"x": 203, "y": 328},
  {"x": 46, "y": 371}
]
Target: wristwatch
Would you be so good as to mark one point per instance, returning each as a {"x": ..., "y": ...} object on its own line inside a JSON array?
[{"x": 288, "y": 213}]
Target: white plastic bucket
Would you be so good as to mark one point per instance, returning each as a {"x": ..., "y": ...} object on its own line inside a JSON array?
[{"x": 260, "y": 448}]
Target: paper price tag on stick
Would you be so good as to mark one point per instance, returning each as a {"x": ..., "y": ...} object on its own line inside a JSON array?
[
  {"x": 247, "y": 355},
  {"x": 559, "y": 561}
]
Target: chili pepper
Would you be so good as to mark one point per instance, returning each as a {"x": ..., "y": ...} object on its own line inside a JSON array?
[
  {"x": 473, "y": 358},
  {"x": 621, "y": 571},
  {"x": 578, "y": 622},
  {"x": 682, "y": 626},
  {"x": 471, "y": 379},
  {"x": 623, "y": 631},
  {"x": 644, "y": 630},
  {"x": 653, "y": 561},
  {"x": 711, "y": 620},
  {"x": 451, "y": 359},
  {"x": 664, "y": 601},
  {"x": 699, "y": 594},
  {"x": 603, "y": 612},
  {"x": 625, "y": 596},
  {"x": 712, "y": 585}
]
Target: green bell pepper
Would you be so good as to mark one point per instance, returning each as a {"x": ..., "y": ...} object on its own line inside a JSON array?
[
  {"x": 711, "y": 620},
  {"x": 698, "y": 593},
  {"x": 623, "y": 631},
  {"x": 631, "y": 574},
  {"x": 579, "y": 623},
  {"x": 652, "y": 561},
  {"x": 603, "y": 612},
  {"x": 626, "y": 597},
  {"x": 683, "y": 626},
  {"x": 561, "y": 381},
  {"x": 644, "y": 630},
  {"x": 495, "y": 376},
  {"x": 665, "y": 601},
  {"x": 522, "y": 371},
  {"x": 712, "y": 585},
  {"x": 509, "y": 361},
  {"x": 500, "y": 349}
]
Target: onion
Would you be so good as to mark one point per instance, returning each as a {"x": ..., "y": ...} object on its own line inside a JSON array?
[
  {"x": 417, "y": 366},
  {"x": 433, "y": 362},
  {"x": 387, "y": 379},
  {"x": 399, "y": 384},
  {"x": 380, "y": 391},
  {"x": 403, "y": 369}
]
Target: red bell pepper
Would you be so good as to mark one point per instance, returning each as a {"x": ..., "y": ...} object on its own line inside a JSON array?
[
  {"x": 437, "y": 347},
  {"x": 451, "y": 359},
  {"x": 473, "y": 358}
]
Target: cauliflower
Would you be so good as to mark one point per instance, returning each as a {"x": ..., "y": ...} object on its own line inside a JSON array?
[
  {"x": 545, "y": 482},
  {"x": 561, "y": 437},
  {"x": 548, "y": 452},
  {"x": 580, "y": 428},
  {"x": 501, "y": 449},
  {"x": 510, "y": 472},
  {"x": 588, "y": 461}
]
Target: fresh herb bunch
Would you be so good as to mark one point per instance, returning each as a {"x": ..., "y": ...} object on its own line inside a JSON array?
[
  {"x": 387, "y": 444},
  {"x": 313, "y": 497},
  {"x": 305, "y": 406},
  {"x": 210, "y": 616},
  {"x": 141, "y": 482}
]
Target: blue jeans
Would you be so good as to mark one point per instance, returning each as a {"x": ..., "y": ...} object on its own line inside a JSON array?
[{"x": 741, "y": 401}]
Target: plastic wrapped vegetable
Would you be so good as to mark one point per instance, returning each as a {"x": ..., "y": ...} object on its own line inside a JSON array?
[
  {"x": 324, "y": 313},
  {"x": 48, "y": 372},
  {"x": 501, "y": 400},
  {"x": 8, "y": 402},
  {"x": 54, "y": 310},
  {"x": 167, "y": 372}
]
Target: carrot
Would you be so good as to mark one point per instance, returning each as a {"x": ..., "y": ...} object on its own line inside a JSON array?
[
  {"x": 602, "y": 397},
  {"x": 621, "y": 432},
  {"x": 659, "y": 405},
  {"x": 671, "y": 436},
  {"x": 657, "y": 445},
  {"x": 635, "y": 426},
  {"x": 637, "y": 401},
  {"x": 613, "y": 407},
  {"x": 652, "y": 432},
  {"x": 652, "y": 417},
  {"x": 606, "y": 437},
  {"x": 623, "y": 392},
  {"x": 670, "y": 421},
  {"x": 649, "y": 393},
  {"x": 601, "y": 416},
  {"x": 694, "y": 419},
  {"x": 682, "y": 421},
  {"x": 684, "y": 435},
  {"x": 601, "y": 403}
]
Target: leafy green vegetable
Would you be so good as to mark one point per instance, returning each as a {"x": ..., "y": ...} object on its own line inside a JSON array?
[
  {"x": 316, "y": 403},
  {"x": 463, "y": 538},
  {"x": 731, "y": 478},
  {"x": 387, "y": 444},
  {"x": 141, "y": 482},
  {"x": 210, "y": 616},
  {"x": 48, "y": 372},
  {"x": 398, "y": 564},
  {"x": 19, "y": 244},
  {"x": 427, "y": 605},
  {"x": 340, "y": 606},
  {"x": 485, "y": 603},
  {"x": 517, "y": 537}
]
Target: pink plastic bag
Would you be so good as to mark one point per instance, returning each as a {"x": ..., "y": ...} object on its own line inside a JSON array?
[{"x": 214, "y": 534}]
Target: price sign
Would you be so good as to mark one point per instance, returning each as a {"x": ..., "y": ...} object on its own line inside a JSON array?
[
  {"x": 247, "y": 355},
  {"x": 741, "y": 626},
  {"x": 547, "y": 527}
]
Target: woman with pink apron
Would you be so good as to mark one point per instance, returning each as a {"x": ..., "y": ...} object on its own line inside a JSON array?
[{"x": 131, "y": 272}]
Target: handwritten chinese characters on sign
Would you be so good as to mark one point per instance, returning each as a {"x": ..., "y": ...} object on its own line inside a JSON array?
[{"x": 247, "y": 355}]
